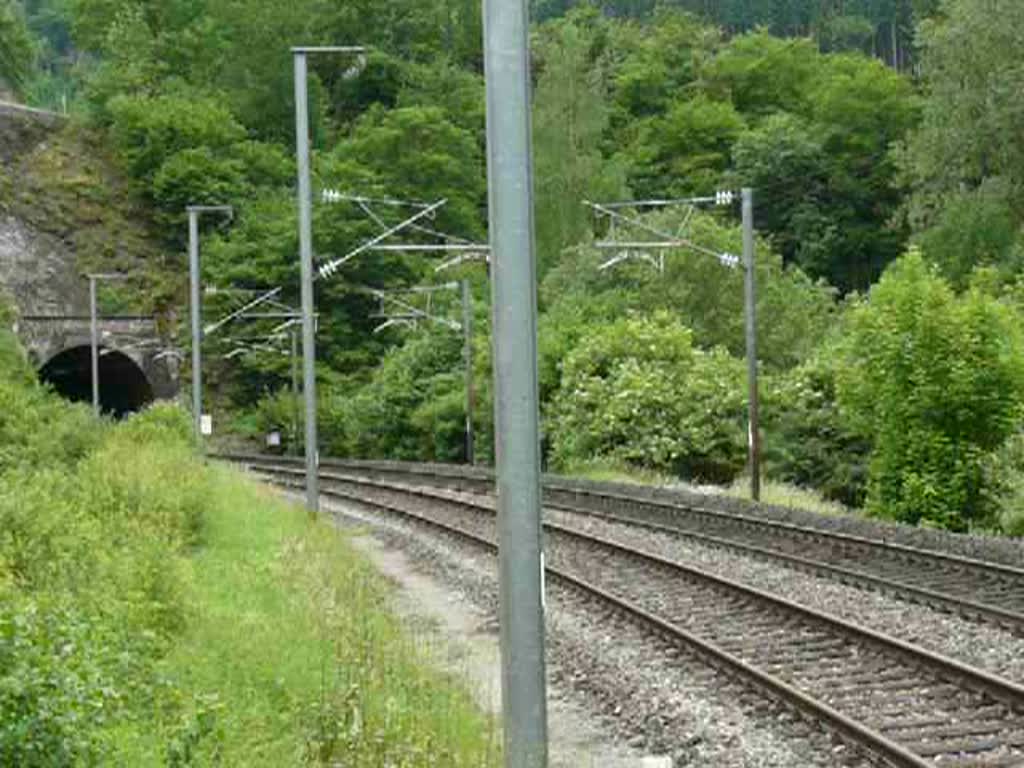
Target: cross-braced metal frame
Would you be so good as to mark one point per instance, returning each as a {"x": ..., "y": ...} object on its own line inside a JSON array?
[
  {"x": 430, "y": 240},
  {"x": 396, "y": 309},
  {"x": 637, "y": 244}
]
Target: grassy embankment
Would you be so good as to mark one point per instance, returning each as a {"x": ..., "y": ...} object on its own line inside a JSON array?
[{"x": 154, "y": 611}]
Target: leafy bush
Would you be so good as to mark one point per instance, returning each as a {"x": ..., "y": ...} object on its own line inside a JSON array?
[
  {"x": 937, "y": 381},
  {"x": 807, "y": 441},
  {"x": 976, "y": 228},
  {"x": 93, "y": 575},
  {"x": 409, "y": 409},
  {"x": 1003, "y": 472},
  {"x": 637, "y": 391},
  {"x": 37, "y": 429}
]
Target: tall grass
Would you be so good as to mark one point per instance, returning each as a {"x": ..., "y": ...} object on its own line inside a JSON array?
[
  {"x": 772, "y": 491},
  {"x": 291, "y": 656},
  {"x": 788, "y": 495},
  {"x": 157, "y": 611}
]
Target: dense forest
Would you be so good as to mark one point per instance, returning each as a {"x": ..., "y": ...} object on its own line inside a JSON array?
[{"x": 882, "y": 138}]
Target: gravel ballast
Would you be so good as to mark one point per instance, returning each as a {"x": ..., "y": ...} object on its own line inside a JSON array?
[
  {"x": 983, "y": 547},
  {"x": 973, "y": 643},
  {"x": 977, "y": 644},
  {"x": 648, "y": 695}
]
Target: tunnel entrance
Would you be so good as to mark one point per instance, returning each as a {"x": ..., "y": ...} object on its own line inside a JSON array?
[{"x": 124, "y": 388}]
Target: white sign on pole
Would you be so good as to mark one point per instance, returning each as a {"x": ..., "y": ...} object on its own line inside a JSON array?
[{"x": 206, "y": 424}]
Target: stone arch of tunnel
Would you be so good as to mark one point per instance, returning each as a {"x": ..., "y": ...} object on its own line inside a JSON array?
[{"x": 124, "y": 387}]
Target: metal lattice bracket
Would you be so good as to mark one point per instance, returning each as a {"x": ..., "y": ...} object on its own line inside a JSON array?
[
  {"x": 395, "y": 310},
  {"x": 429, "y": 240},
  {"x": 639, "y": 240}
]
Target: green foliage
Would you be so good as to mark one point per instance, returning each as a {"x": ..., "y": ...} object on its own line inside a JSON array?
[
  {"x": 570, "y": 116},
  {"x": 763, "y": 75},
  {"x": 704, "y": 294},
  {"x": 93, "y": 583},
  {"x": 785, "y": 154},
  {"x": 818, "y": 154},
  {"x": 412, "y": 407},
  {"x": 972, "y": 83},
  {"x": 150, "y": 130},
  {"x": 658, "y": 62},
  {"x": 807, "y": 440},
  {"x": 636, "y": 391},
  {"x": 37, "y": 429},
  {"x": 885, "y": 29},
  {"x": 685, "y": 151},
  {"x": 1003, "y": 473},
  {"x": 127, "y": 571},
  {"x": 415, "y": 153},
  {"x": 936, "y": 381},
  {"x": 17, "y": 51},
  {"x": 14, "y": 366},
  {"x": 975, "y": 229}
]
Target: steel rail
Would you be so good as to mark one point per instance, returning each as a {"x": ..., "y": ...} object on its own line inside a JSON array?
[
  {"x": 968, "y": 606},
  {"x": 1009, "y": 620},
  {"x": 1009, "y": 694},
  {"x": 853, "y": 732}
]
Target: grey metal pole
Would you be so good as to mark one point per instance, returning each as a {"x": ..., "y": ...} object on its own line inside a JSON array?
[
  {"x": 295, "y": 389},
  {"x": 195, "y": 309},
  {"x": 305, "y": 202},
  {"x": 95, "y": 342},
  {"x": 749, "y": 293},
  {"x": 517, "y": 433},
  {"x": 467, "y": 336}
]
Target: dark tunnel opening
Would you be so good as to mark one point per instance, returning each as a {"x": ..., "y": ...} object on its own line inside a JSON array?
[{"x": 124, "y": 388}]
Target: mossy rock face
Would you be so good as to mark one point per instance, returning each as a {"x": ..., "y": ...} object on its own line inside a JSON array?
[
  {"x": 22, "y": 129},
  {"x": 60, "y": 179}
]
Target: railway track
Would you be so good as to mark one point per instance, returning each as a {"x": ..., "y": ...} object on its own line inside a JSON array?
[
  {"x": 900, "y": 704},
  {"x": 979, "y": 590}
]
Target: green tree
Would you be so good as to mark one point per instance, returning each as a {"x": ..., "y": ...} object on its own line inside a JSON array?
[
  {"x": 762, "y": 74},
  {"x": 414, "y": 153},
  {"x": 149, "y": 130},
  {"x": 655, "y": 63},
  {"x": 937, "y": 381},
  {"x": 685, "y": 151},
  {"x": 972, "y": 109},
  {"x": 976, "y": 228},
  {"x": 783, "y": 158},
  {"x": 817, "y": 151},
  {"x": 411, "y": 407},
  {"x": 965, "y": 163},
  {"x": 17, "y": 50},
  {"x": 569, "y": 119}
]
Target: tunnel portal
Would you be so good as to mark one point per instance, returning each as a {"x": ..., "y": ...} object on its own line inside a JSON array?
[{"x": 124, "y": 387}]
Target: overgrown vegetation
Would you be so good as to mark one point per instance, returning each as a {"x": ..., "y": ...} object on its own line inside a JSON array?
[{"x": 157, "y": 611}]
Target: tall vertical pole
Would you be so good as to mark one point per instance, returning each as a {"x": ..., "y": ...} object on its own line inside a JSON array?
[
  {"x": 467, "y": 337},
  {"x": 753, "y": 425},
  {"x": 195, "y": 308},
  {"x": 517, "y": 433},
  {"x": 305, "y": 202},
  {"x": 295, "y": 388},
  {"x": 94, "y": 344}
]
